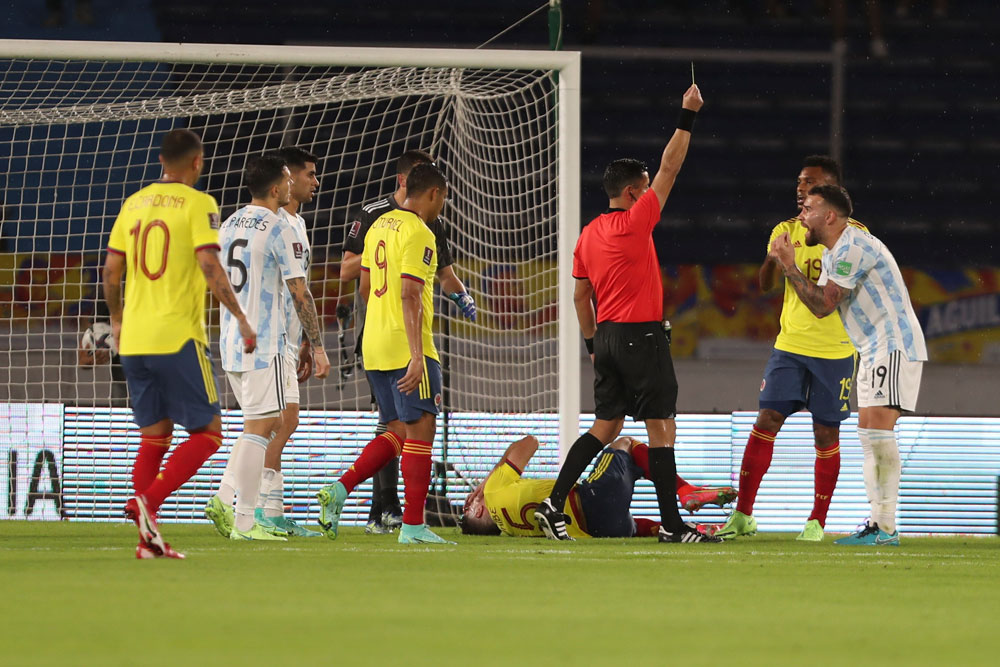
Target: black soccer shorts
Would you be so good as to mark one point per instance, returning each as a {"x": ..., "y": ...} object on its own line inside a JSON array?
[{"x": 634, "y": 373}]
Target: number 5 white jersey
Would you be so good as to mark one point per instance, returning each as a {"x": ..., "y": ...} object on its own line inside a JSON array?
[{"x": 259, "y": 253}]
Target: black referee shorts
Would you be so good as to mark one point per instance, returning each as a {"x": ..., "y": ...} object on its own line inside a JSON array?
[{"x": 634, "y": 374}]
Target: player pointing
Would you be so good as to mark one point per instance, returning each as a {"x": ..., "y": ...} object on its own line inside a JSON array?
[
  {"x": 397, "y": 282},
  {"x": 166, "y": 242},
  {"x": 860, "y": 280}
]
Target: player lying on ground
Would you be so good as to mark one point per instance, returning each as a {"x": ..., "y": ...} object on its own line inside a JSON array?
[{"x": 597, "y": 507}]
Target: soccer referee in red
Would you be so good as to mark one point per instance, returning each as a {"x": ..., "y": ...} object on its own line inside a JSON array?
[{"x": 615, "y": 259}]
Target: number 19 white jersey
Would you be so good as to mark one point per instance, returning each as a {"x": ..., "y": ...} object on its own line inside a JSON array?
[{"x": 259, "y": 253}]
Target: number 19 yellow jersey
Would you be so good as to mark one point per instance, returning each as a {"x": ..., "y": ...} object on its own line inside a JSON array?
[{"x": 801, "y": 331}]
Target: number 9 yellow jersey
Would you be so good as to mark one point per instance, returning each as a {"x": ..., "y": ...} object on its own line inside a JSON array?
[{"x": 398, "y": 247}]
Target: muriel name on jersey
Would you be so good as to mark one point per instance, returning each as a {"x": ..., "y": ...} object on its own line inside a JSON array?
[{"x": 247, "y": 222}]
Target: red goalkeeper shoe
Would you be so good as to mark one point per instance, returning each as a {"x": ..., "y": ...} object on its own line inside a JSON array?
[
  {"x": 696, "y": 497},
  {"x": 143, "y": 551},
  {"x": 145, "y": 521}
]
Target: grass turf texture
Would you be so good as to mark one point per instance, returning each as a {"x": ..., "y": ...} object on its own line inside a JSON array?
[{"x": 74, "y": 594}]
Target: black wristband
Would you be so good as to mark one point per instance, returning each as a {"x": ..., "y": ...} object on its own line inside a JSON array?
[
  {"x": 589, "y": 342},
  {"x": 685, "y": 120}
]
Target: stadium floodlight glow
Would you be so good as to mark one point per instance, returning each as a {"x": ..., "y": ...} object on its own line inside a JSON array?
[{"x": 80, "y": 123}]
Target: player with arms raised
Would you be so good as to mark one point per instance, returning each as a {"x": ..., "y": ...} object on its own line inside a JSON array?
[
  {"x": 263, "y": 257},
  {"x": 397, "y": 282},
  {"x": 384, "y": 516},
  {"x": 166, "y": 242}
]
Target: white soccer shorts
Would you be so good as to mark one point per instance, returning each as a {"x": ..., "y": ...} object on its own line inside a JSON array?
[
  {"x": 260, "y": 392},
  {"x": 892, "y": 381}
]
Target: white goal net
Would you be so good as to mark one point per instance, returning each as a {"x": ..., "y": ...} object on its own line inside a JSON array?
[{"x": 80, "y": 126}]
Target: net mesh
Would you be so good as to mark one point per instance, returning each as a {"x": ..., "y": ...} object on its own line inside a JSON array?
[{"x": 77, "y": 137}]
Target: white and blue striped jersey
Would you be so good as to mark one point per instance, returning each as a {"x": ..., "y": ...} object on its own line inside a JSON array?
[
  {"x": 259, "y": 252},
  {"x": 878, "y": 314},
  {"x": 292, "y": 325}
]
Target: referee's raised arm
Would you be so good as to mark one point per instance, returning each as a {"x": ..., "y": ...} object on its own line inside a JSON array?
[{"x": 677, "y": 147}]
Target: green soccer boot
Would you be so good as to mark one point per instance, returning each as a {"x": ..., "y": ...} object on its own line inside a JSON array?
[
  {"x": 331, "y": 504},
  {"x": 221, "y": 516},
  {"x": 292, "y": 529},
  {"x": 813, "y": 532},
  {"x": 737, "y": 525},
  {"x": 257, "y": 533},
  {"x": 419, "y": 535}
]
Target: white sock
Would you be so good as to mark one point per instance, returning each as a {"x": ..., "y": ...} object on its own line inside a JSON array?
[
  {"x": 266, "y": 480},
  {"x": 887, "y": 471},
  {"x": 247, "y": 469},
  {"x": 274, "y": 503},
  {"x": 227, "y": 489},
  {"x": 868, "y": 472}
]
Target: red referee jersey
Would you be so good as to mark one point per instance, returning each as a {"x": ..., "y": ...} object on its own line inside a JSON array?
[{"x": 616, "y": 253}]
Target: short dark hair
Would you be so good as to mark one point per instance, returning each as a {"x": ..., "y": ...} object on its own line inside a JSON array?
[
  {"x": 423, "y": 177},
  {"x": 412, "y": 158},
  {"x": 828, "y": 166},
  {"x": 295, "y": 157},
  {"x": 262, "y": 172},
  {"x": 620, "y": 173},
  {"x": 483, "y": 525},
  {"x": 180, "y": 144},
  {"x": 836, "y": 197}
]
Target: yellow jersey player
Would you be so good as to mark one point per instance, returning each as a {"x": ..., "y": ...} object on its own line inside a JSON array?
[
  {"x": 812, "y": 367},
  {"x": 398, "y": 265},
  {"x": 165, "y": 242},
  {"x": 597, "y": 507}
]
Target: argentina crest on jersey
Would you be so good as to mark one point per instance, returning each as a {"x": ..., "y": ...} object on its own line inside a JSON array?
[{"x": 878, "y": 315}]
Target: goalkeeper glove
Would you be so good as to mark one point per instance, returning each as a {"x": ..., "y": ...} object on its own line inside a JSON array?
[{"x": 465, "y": 302}]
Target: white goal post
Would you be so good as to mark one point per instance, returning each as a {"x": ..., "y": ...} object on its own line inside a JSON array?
[{"x": 490, "y": 114}]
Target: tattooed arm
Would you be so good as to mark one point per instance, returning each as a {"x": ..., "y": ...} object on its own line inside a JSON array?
[
  {"x": 305, "y": 307},
  {"x": 821, "y": 301},
  {"x": 218, "y": 283}
]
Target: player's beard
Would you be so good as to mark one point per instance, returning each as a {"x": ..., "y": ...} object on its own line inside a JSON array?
[{"x": 811, "y": 239}]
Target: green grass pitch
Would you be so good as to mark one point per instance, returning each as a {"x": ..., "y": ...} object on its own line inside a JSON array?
[{"x": 74, "y": 594}]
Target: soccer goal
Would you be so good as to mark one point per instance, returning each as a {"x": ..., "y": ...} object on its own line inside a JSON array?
[{"x": 80, "y": 125}]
